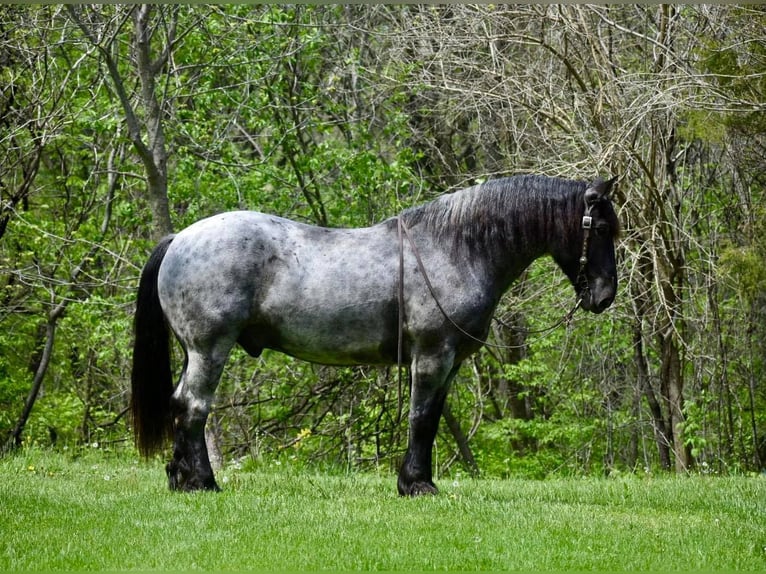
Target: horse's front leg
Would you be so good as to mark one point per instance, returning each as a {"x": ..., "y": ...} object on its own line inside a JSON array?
[
  {"x": 431, "y": 378},
  {"x": 190, "y": 469}
]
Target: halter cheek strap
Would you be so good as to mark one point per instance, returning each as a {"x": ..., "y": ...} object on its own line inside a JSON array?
[{"x": 587, "y": 224}]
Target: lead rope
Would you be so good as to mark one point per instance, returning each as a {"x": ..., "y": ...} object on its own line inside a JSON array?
[{"x": 400, "y": 343}]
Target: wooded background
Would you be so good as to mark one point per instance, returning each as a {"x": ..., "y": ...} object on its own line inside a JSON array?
[{"x": 119, "y": 124}]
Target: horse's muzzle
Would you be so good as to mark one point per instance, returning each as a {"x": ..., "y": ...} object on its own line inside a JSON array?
[{"x": 600, "y": 296}]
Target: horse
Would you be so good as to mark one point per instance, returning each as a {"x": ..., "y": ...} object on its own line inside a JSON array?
[{"x": 418, "y": 289}]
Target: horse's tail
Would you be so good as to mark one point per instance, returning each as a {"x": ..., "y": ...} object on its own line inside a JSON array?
[{"x": 151, "y": 379}]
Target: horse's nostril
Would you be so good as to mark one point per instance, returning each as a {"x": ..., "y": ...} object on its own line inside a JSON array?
[
  {"x": 604, "y": 303},
  {"x": 603, "y": 294}
]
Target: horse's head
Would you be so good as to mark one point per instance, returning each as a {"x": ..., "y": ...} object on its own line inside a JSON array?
[{"x": 589, "y": 259}]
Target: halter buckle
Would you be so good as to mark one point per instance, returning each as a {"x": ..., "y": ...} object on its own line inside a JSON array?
[{"x": 587, "y": 221}]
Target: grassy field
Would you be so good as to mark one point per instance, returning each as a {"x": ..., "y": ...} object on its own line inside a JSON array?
[{"x": 101, "y": 512}]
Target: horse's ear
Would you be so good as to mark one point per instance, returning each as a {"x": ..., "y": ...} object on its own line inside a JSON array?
[{"x": 599, "y": 190}]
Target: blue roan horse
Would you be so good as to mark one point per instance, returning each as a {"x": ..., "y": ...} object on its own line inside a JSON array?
[{"x": 333, "y": 296}]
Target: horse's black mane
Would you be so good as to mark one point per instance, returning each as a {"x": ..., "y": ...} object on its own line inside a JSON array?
[{"x": 513, "y": 211}]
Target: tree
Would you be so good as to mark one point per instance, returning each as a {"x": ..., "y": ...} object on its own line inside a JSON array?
[{"x": 102, "y": 29}]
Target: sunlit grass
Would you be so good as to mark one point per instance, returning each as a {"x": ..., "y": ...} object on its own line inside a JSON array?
[{"x": 112, "y": 513}]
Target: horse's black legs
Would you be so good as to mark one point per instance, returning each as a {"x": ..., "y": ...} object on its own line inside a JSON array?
[
  {"x": 190, "y": 469},
  {"x": 430, "y": 384},
  {"x": 415, "y": 474}
]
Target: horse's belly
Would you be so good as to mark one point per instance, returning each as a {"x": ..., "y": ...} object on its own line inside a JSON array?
[
  {"x": 352, "y": 355},
  {"x": 332, "y": 305},
  {"x": 354, "y": 334}
]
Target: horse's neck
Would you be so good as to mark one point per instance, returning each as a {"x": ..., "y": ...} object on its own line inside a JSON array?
[
  {"x": 505, "y": 271},
  {"x": 534, "y": 237},
  {"x": 514, "y": 233}
]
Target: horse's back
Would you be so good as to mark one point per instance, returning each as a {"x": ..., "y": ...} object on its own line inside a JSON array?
[{"x": 325, "y": 295}]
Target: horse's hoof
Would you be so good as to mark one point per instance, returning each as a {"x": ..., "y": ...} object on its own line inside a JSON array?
[
  {"x": 182, "y": 478},
  {"x": 418, "y": 489},
  {"x": 211, "y": 486},
  {"x": 183, "y": 485}
]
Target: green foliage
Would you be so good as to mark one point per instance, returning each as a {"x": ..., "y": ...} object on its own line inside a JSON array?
[
  {"x": 339, "y": 115},
  {"x": 11, "y": 388},
  {"x": 745, "y": 271}
]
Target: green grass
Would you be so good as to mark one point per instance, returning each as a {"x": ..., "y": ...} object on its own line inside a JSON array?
[{"x": 102, "y": 512}]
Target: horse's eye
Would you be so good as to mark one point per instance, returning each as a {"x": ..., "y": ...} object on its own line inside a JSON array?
[{"x": 602, "y": 230}]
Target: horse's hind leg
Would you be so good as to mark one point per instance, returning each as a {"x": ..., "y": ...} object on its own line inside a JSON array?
[
  {"x": 190, "y": 467},
  {"x": 431, "y": 378}
]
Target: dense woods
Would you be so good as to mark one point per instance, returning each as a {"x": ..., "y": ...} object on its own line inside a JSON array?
[{"x": 119, "y": 124}]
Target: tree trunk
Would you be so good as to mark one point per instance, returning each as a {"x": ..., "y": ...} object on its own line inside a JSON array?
[
  {"x": 155, "y": 161},
  {"x": 639, "y": 290},
  {"x": 671, "y": 328},
  {"x": 672, "y": 382},
  {"x": 461, "y": 440},
  {"x": 661, "y": 432},
  {"x": 759, "y": 444},
  {"x": 14, "y": 440},
  {"x": 154, "y": 154}
]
